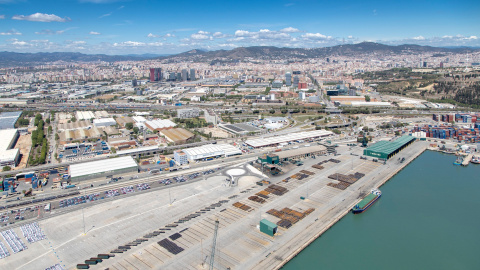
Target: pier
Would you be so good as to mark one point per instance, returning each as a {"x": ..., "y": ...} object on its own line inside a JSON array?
[{"x": 467, "y": 159}]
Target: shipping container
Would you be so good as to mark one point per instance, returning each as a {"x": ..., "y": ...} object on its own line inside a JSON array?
[{"x": 83, "y": 266}]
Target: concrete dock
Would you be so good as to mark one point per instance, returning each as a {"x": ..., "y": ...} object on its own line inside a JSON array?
[
  {"x": 240, "y": 244},
  {"x": 467, "y": 159}
]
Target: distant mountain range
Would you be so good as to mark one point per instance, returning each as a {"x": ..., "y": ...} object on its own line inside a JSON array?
[
  {"x": 255, "y": 52},
  {"x": 25, "y": 59},
  {"x": 262, "y": 52}
]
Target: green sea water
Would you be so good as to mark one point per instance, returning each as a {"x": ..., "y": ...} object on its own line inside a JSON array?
[{"x": 427, "y": 218}]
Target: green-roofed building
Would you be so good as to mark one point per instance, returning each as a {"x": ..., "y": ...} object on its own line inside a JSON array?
[
  {"x": 268, "y": 227},
  {"x": 387, "y": 149}
]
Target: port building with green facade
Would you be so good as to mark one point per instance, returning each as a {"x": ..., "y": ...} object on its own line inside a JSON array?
[{"x": 387, "y": 149}]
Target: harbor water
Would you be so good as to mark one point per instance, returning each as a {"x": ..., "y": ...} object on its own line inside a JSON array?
[{"x": 428, "y": 218}]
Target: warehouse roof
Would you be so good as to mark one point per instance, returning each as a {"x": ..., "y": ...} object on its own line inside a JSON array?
[
  {"x": 160, "y": 123},
  {"x": 8, "y": 119},
  {"x": 7, "y": 136},
  {"x": 177, "y": 134},
  {"x": 101, "y": 166},
  {"x": 104, "y": 121},
  {"x": 387, "y": 147},
  {"x": 288, "y": 138},
  {"x": 212, "y": 150},
  {"x": 300, "y": 151},
  {"x": 137, "y": 150}
]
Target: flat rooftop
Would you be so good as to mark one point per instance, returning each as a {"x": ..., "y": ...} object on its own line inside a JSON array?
[
  {"x": 288, "y": 138},
  {"x": 101, "y": 166}
]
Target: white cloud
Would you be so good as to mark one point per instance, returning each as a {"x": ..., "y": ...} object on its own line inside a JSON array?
[
  {"x": 242, "y": 33},
  {"x": 41, "y": 17},
  {"x": 290, "y": 30},
  {"x": 315, "y": 36},
  {"x": 152, "y": 35},
  {"x": 168, "y": 35},
  {"x": 79, "y": 42},
  {"x": 12, "y": 32},
  {"x": 17, "y": 42},
  {"x": 201, "y": 35},
  {"x": 129, "y": 44},
  {"x": 220, "y": 35},
  {"x": 419, "y": 38},
  {"x": 94, "y": 33},
  {"x": 105, "y": 15},
  {"x": 2, "y": 17},
  {"x": 50, "y": 32}
]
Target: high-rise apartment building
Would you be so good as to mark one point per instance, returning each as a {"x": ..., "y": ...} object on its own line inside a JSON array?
[
  {"x": 155, "y": 74},
  {"x": 192, "y": 74},
  {"x": 184, "y": 75},
  {"x": 288, "y": 79}
]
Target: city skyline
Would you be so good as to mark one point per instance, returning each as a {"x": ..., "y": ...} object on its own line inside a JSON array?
[{"x": 126, "y": 27}]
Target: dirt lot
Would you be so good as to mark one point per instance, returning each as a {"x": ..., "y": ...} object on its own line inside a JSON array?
[
  {"x": 217, "y": 132},
  {"x": 24, "y": 143}
]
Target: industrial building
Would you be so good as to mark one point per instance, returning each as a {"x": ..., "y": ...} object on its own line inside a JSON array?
[
  {"x": 9, "y": 156},
  {"x": 122, "y": 121},
  {"x": 94, "y": 169},
  {"x": 74, "y": 125},
  {"x": 101, "y": 114},
  {"x": 84, "y": 115},
  {"x": 239, "y": 128},
  {"x": 68, "y": 136},
  {"x": 177, "y": 135},
  {"x": 210, "y": 151},
  {"x": 299, "y": 136},
  {"x": 8, "y": 119},
  {"x": 293, "y": 154},
  {"x": 188, "y": 113},
  {"x": 159, "y": 124},
  {"x": 104, "y": 122},
  {"x": 387, "y": 149}
]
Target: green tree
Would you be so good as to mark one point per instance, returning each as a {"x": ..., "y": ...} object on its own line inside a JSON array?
[
  {"x": 129, "y": 126},
  {"x": 6, "y": 168},
  {"x": 113, "y": 150},
  {"x": 367, "y": 98}
]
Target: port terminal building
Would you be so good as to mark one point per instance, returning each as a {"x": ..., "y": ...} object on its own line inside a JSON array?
[
  {"x": 277, "y": 140},
  {"x": 95, "y": 169},
  {"x": 387, "y": 149}
]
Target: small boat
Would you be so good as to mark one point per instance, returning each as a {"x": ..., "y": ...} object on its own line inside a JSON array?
[
  {"x": 458, "y": 161},
  {"x": 475, "y": 160}
]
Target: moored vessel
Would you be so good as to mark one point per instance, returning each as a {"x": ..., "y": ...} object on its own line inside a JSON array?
[
  {"x": 364, "y": 204},
  {"x": 475, "y": 160},
  {"x": 458, "y": 161}
]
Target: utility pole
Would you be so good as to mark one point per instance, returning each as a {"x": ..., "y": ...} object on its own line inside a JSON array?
[{"x": 212, "y": 257}]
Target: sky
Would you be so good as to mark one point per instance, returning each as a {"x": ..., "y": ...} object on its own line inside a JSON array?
[{"x": 168, "y": 27}]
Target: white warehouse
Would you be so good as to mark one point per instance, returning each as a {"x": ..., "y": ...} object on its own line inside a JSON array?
[
  {"x": 104, "y": 122},
  {"x": 211, "y": 151},
  {"x": 9, "y": 156}
]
